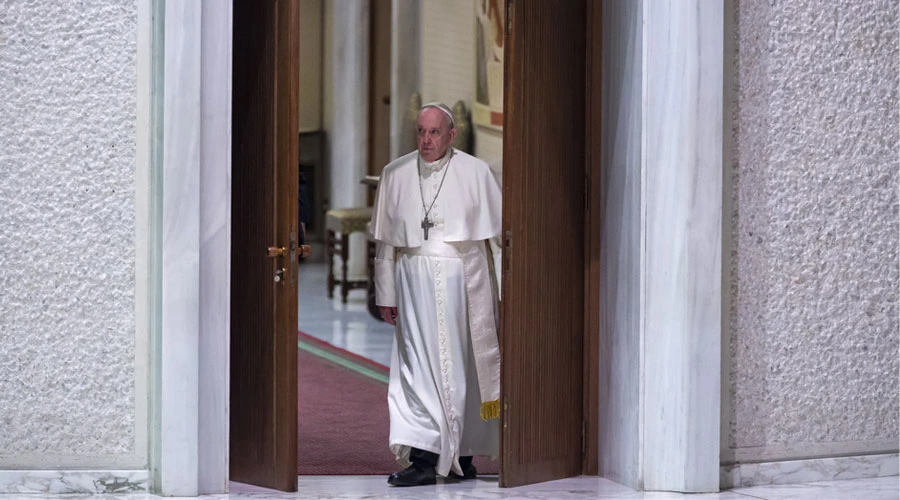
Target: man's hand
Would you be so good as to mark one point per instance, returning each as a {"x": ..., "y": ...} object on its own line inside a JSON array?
[{"x": 388, "y": 314}]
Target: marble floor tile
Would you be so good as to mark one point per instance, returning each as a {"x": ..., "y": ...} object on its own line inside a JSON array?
[
  {"x": 347, "y": 326},
  {"x": 70, "y": 481},
  {"x": 877, "y": 488},
  {"x": 376, "y": 488},
  {"x": 578, "y": 488}
]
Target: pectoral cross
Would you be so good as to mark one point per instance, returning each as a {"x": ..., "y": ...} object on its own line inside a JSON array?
[{"x": 426, "y": 225}]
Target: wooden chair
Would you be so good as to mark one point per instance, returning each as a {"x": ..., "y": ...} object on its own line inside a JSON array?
[{"x": 344, "y": 221}]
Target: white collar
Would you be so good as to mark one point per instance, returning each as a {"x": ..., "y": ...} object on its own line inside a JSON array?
[{"x": 426, "y": 168}]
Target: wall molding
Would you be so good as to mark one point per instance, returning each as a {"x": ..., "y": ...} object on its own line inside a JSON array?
[
  {"x": 806, "y": 451},
  {"x": 807, "y": 471},
  {"x": 74, "y": 481}
]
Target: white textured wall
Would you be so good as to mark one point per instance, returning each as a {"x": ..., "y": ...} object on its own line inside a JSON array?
[
  {"x": 814, "y": 229},
  {"x": 67, "y": 230}
]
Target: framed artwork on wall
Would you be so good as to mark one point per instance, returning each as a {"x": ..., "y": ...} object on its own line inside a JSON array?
[{"x": 490, "y": 32}]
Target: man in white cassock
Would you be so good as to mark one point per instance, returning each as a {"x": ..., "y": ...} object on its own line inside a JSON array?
[{"x": 436, "y": 224}]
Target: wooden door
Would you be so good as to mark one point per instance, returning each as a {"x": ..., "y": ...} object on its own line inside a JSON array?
[
  {"x": 593, "y": 234},
  {"x": 264, "y": 214},
  {"x": 379, "y": 87},
  {"x": 542, "y": 333}
]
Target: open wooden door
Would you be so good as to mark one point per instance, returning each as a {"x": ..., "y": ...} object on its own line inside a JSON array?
[
  {"x": 542, "y": 333},
  {"x": 265, "y": 182}
]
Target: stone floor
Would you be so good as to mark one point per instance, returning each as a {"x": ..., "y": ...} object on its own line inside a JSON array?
[
  {"x": 375, "y": 488},
  {"x": 348, "y": 326}
]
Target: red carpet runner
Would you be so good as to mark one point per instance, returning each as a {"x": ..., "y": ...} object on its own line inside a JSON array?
[{"x": 342, "y": 409}]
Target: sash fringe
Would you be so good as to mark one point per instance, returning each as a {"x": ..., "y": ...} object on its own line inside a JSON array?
[{"x": 490, "y": 410}]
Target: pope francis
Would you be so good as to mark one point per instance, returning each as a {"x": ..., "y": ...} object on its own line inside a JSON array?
[{"x": 436, "y": 224}]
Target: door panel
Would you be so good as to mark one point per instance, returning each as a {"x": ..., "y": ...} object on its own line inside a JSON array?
[
  {"x": 379, "y": 87},
  {"x": 542, "y": 333},
  {"x": 263, "y": 409},
  {"x": 594, "y": 230}
]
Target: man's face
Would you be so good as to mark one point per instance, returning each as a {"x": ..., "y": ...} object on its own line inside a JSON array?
[{"x": 434, "y": 134}]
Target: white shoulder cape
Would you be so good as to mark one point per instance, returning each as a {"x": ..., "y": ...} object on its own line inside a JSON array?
[{"x": 470, "y": 196}]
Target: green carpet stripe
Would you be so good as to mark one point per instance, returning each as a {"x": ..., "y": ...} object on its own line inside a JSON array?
[{"x": 350, "y": 365}]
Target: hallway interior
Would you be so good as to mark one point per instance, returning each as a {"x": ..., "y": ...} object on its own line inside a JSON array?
[{"x": 346, "y": 326}]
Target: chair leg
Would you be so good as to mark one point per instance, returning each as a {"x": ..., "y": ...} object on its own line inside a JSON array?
[
  {"x": 329, "y": 250},
  {"x": 345, "y": 246}
]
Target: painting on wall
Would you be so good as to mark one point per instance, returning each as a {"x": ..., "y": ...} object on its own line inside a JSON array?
[{"x": 491, "y": 33}]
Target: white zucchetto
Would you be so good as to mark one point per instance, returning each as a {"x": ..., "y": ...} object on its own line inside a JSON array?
[{"x": 443, "y": 107}]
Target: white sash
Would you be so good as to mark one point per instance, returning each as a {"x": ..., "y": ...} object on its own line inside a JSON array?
[{"x": 483, "y": 328}]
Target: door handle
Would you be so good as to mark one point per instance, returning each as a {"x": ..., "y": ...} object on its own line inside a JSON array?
[
  {"x": 292, "y": 252},
  {"x": 274, "y": 253}
]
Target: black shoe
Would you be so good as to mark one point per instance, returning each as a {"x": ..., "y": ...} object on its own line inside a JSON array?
[
  {"x": 414, "y": 475},
  {"x": 469, "y": 471}
]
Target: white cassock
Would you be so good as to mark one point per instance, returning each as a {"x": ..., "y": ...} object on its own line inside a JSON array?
[{"x": 444, "y": 388}]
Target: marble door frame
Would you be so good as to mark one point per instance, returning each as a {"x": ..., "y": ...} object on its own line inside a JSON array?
[
  {"x": 661, "y": 243},
  {"x": 682, "y": 238},
  {"x": 677, "y": 356},
  {"x": 188, "y": 188}
]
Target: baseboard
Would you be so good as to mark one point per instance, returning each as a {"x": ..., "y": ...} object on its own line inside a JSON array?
[
  {"x": 807, "y": 471},
  {"x": 74, "y": 481},
  {"x": 806, "y": 451}
]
